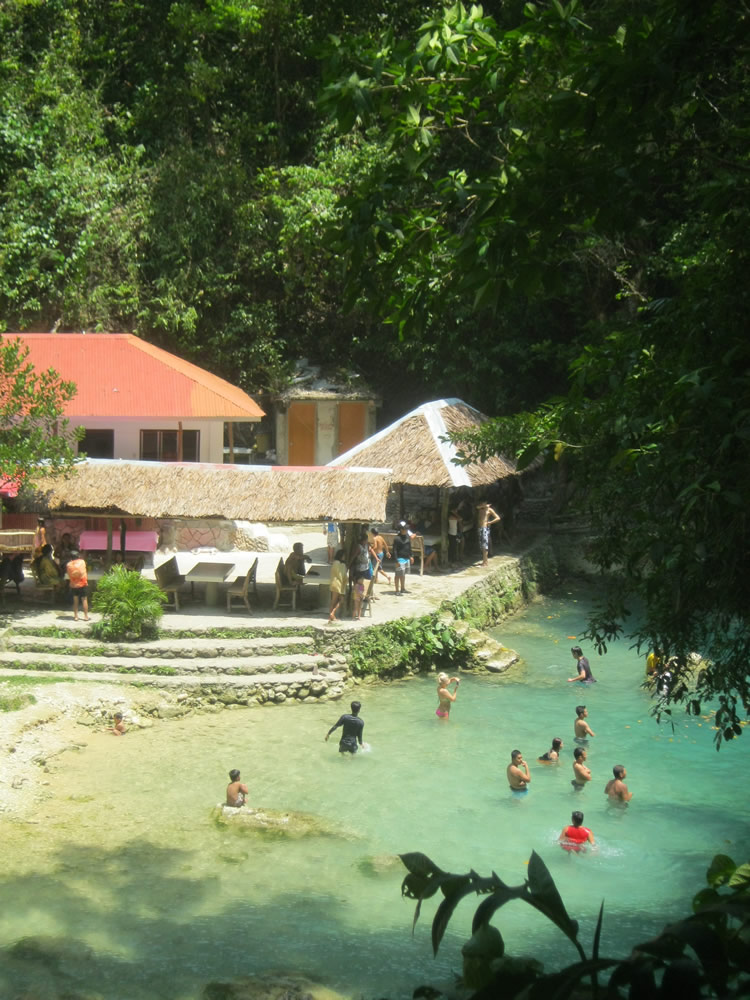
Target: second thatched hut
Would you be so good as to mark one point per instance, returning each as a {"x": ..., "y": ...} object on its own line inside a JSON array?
[{"x": 427, "y": 481}]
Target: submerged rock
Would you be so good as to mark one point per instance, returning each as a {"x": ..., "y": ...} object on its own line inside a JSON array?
[
  {"x": 271, "y": 986},
  {"x": 380, "y": 864},
  {"x": 56, "y": 953},
  {"x": 286, "y": 823}
]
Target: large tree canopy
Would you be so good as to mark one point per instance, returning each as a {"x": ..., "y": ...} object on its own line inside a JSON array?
[{"x": 595, "y": 156}]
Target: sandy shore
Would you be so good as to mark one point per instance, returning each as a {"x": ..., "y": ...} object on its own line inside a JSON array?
[{"x": 60, "y": 721}]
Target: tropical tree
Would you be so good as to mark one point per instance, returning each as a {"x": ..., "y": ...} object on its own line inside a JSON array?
[
  {"x": 592, "y": 156},
  {"x": 35, "y": 439}
]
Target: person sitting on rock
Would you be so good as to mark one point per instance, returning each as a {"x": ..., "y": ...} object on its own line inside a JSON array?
[{"x": 236, "y": 792}]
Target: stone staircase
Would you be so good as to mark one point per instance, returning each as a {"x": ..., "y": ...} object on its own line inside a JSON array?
[{"x": 241, "y": 669}]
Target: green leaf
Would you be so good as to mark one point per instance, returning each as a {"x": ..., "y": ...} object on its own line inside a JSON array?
[
  {"x": 420, "y": 864},
  {"x": 458, "y": 890},
  {"x": 720, "y": 870},
  {"x": 545, "y": 897},
  {"x": 740, "y": 876}
]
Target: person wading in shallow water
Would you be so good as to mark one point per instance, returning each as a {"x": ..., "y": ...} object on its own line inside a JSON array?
[
  {"x": 573, "y": 837},
  {"x": 552, "y": 756},
  {"x": 445, "y": 697},
  {"x": 517, "y": 772},
  {"x": 581, "y": 728},
  {"x": 584, "y": 674},
  {"x": 352, "y": 728},
  {"x": 616, "y": 790},
  {"x": 581, "y": 772}
]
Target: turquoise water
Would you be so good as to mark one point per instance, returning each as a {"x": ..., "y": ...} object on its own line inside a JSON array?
[{"x": 123, "y": 858}]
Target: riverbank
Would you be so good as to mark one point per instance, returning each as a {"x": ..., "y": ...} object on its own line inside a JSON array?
[{"x": 65, "y": 712}]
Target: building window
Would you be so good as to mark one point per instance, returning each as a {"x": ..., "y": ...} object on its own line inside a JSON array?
[
  {"x": 161, "y": 446},
  {"x": 97, "y": 444}
]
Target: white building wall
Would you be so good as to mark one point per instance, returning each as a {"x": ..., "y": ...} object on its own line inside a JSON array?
[{"x": 127, "y": 443}]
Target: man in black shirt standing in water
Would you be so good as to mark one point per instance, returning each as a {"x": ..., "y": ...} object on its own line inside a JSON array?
[{"x": 352, "y": 730}]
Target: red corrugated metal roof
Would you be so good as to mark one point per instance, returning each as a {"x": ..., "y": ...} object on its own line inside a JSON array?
[{"x": 120, "y": 375}]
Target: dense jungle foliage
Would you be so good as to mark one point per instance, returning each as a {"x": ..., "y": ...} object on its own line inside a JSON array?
[{"x": 539, "y": 207}]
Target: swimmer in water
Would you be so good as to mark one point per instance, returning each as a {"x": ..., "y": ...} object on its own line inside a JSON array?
[
  {"x": 518, "y": 772},
  {"x": 581, "y": 728},
  {"x": 236, "y": 792},
  {"x": 581, "y": 773},
  {"x": 446, "y": 697},
  {"x": 574, "y": 837},
  {"x": 118, "y": 729},
  {"x": 616, "y": 790},
  {"x": 352, "y": 728},
  {"x": 584, "y": 674},
  {"x": 552, "y": 756}
]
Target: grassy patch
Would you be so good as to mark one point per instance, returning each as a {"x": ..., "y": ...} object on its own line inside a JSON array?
[
  {"x": 22, "y": 681},
  {"x": 16, "y": 701}
]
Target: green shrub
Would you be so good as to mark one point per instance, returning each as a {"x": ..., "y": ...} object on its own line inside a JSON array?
[
  {"x": 129, "y": 604},
  {"x": 408, "y": 644}
]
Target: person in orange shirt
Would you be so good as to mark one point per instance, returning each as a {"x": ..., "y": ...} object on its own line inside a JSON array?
[{"x": 79, "y": 583}]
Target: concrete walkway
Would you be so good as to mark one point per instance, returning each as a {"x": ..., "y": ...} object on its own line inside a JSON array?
[{"x": 424, "y": 594}]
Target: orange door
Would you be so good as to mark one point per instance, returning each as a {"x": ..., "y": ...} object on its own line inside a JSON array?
[
  {"x": 351, "y": 425},
  {"x": 302, "y": 434}
]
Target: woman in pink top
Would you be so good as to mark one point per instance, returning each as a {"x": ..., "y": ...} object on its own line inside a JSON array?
[{"x": 79, "y": 583}]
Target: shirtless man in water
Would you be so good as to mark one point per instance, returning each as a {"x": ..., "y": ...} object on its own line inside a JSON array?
[
  {"x": 616, "y": 790},
  {"x": 518, "y": 772},
  {"x": 581, "y": 773},
  {"x": 236, "y": 792},
  {"x": 581, "y": 728}
]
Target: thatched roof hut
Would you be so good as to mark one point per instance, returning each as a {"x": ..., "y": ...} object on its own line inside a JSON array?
[
  {"x": 197, "y": 490},
  {"x": 415, "y": 451},
  {"x": 420, "y": 458}
]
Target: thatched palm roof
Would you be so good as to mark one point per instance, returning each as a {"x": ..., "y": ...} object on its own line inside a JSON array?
[
  {"x": 414, "y": 450},
  {"x": 198, "y": 490}
]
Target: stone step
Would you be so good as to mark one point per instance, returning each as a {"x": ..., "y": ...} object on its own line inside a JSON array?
[
  {"x": 164, "y": 666},
  {"x": 178, "y": 648},
  {"x": 221, "y": 688}
]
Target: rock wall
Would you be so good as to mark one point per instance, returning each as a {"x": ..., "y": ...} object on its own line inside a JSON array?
[
  {"x": 177, "y": 535},
  {"x": 506, "y": 589}
]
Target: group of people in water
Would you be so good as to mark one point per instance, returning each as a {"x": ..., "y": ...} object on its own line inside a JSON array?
[{"x": 574, "y": 836}]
